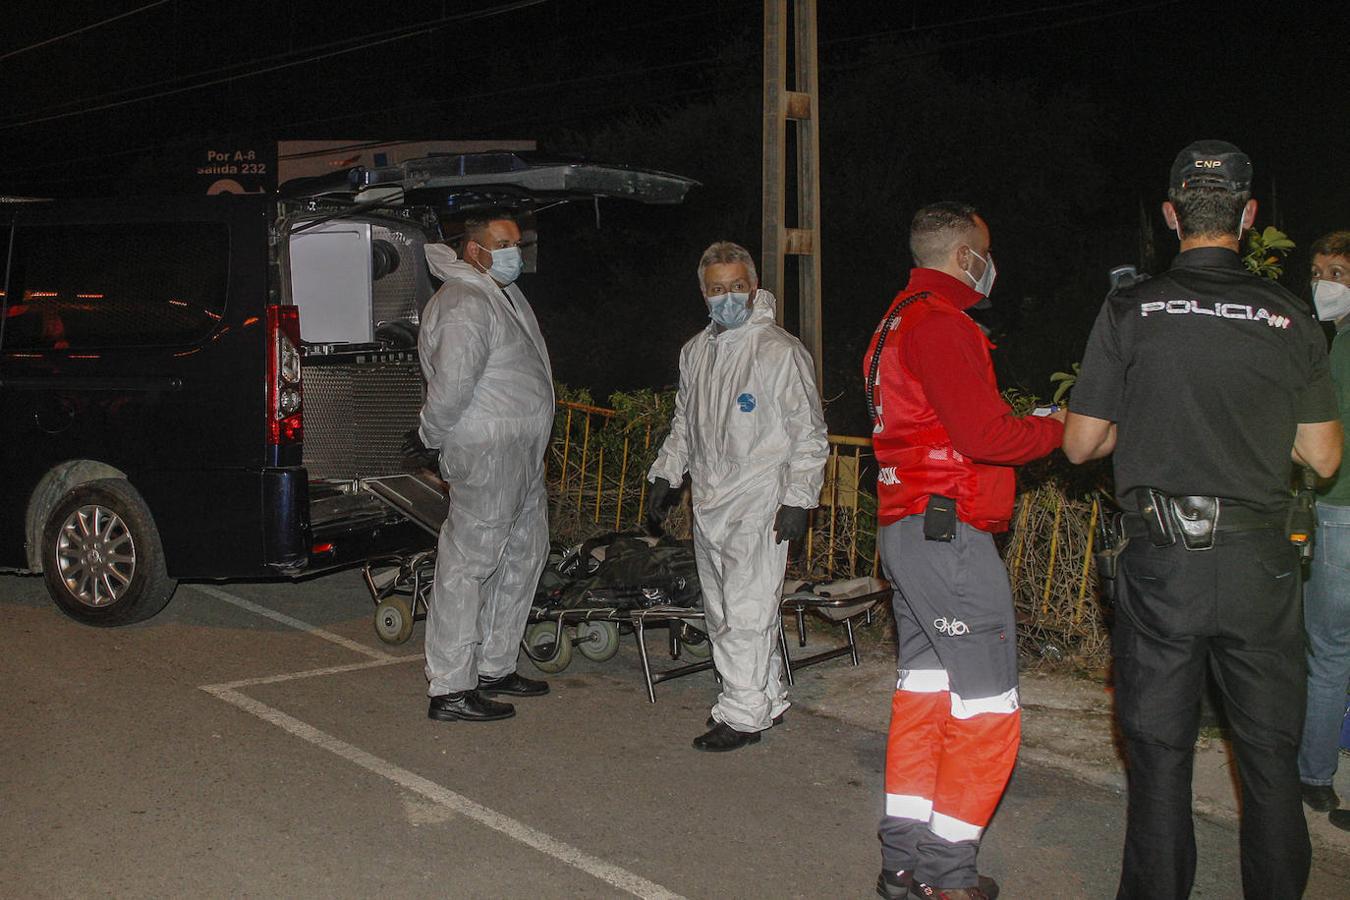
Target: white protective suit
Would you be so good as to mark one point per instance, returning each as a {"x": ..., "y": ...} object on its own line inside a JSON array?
[
  {"x": 489, "y": 410},
  {"x": 748, "y": 429}
]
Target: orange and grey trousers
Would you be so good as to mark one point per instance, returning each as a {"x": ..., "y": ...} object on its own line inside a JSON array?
[{"x": 955, "y": 718}]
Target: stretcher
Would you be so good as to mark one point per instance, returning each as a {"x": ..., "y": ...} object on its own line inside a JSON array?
[{"x": 400, "y": 587}]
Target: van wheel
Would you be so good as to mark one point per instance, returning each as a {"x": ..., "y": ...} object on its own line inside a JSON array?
[{"x": 102, "y": 558}]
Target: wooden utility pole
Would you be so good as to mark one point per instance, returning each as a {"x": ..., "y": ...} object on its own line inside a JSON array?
[{"x": 799, "y": 101}]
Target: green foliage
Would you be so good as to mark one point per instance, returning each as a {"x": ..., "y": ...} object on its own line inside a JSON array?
[
  {"x": 1066, "y": 381},
  {"x": 1266, "y": 250},
  {"x": 598, "y": 461},
  {"x": 1022, "y": 402}
]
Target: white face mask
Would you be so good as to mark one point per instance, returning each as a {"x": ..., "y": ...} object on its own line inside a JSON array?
[
  {"x": 507, "y": 264},
  {"x": 985, "y": 283},
  {"x": 1331, "y": 299},
  {"x": 730, "y": 310}
]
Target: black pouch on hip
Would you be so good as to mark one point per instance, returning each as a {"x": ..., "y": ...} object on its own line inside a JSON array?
[
  {"x": 939, "y": 521},
  {"x": 1153, "y": 507}
]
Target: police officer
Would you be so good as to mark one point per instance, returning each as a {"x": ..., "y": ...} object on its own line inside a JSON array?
[{"x": 1205, "y": 381}]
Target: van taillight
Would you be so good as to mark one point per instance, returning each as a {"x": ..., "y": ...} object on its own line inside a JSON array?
[{"x": 285, "y": 394}]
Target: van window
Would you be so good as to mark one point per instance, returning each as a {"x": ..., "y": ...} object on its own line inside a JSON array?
[{"x": 115, "y": 285}]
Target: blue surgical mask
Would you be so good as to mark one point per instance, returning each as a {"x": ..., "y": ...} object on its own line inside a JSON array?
[
  {"x": 506, "y": 265},
  {"x": 985, "y": 283},
  {"x": 729, "y": 310}
]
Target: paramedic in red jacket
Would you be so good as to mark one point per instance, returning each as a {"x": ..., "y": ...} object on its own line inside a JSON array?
[{"x": 946, "y": 444}]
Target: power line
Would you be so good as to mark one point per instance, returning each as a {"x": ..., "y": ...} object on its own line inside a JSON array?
[
  {"x": 1030, "y": 29},
  {"x": 646, "y": 23},
  {"x": 68, "y": 34},
  {"x": 928, "y": 51},
  {"x": 413, "y": 31},
  {"x": 974, "y": 20}
]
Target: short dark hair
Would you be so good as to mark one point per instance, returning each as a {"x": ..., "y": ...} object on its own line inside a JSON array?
[
  {"x": 476, "y": 223},
  {"x": 1207, "y": 212},
  {"x": 1337, "y": 243},
  {"x": 936, "y": 227}
]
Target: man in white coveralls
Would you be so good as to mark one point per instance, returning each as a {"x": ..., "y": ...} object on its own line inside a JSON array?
[
  {"x": 748, "y": 429},
  {"x": 489, "y": 411}
]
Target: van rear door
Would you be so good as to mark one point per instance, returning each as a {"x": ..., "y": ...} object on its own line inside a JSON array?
[{"x": 353, "y": 261}]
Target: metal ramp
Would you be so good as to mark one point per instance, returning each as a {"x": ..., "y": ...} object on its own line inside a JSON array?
[{"x": 418, "y": 497}]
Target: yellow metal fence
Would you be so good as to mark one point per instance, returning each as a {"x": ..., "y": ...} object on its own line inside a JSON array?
[{"x": 597, "y": 474}]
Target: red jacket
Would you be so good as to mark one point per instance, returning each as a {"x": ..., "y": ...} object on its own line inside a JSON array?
[{"x": 942, "y": 427}]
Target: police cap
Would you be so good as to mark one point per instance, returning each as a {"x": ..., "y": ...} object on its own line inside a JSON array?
[{"x": 1212, "y": 164}]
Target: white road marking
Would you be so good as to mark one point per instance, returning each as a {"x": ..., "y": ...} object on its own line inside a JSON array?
[
  {"x": 314, "y": 673},
  {"x": 290, "y": 621},
  {"x": 531, "y": 837}
]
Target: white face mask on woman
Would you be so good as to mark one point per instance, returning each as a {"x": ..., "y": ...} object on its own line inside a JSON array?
[{"x": 1331, "y": 299}]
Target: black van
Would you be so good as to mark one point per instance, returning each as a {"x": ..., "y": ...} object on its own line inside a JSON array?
[{"x": 196, "y": 387}]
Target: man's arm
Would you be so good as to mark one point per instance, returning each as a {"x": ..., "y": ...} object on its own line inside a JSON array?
[
  {"x": 946, "y": 354},
  {"x": 673, "y": 459},
  {"x": 1087, "y": 437},
  {"x": 454, "y": 347},
  {"x": 1317, "y": 445},
  {"x": 805, "y": 428}
]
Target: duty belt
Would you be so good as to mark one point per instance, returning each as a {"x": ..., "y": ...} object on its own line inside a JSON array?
[{"x": 1196, "y": 519}]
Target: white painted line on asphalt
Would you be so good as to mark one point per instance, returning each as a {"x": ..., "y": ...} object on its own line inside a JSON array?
[
  {"x": 531, "y": 837},
  {"x": 290, "y": 621},
  {"x": 313, "y": 673}
]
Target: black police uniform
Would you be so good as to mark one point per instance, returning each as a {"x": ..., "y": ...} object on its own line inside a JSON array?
[{"x": 1207, "y": 370}]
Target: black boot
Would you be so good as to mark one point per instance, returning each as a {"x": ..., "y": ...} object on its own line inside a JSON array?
[
  {"x": 723, "y": 737},
  {"x": 987, "y": 889},
  {"x": 468, "y": 706},
  {"x": 777, "y": 720},
  {"x": 894, "y": 885},
  {"x": 515, "y": 684},
  {"x": 1319, "y": 797}
]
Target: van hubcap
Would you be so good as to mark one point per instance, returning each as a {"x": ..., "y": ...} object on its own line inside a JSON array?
[{"x": 95, "y": 555}]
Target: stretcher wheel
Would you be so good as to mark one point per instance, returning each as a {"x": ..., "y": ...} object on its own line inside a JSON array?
[
  {"x": 694, "y": 642},
  {"x": 394, "y": 620},
  {"x": 598, "y": 641},
  {"x": 545, "y": 650}
]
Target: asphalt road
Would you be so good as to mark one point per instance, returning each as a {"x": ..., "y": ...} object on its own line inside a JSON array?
[{"x": 258, "y": 740}]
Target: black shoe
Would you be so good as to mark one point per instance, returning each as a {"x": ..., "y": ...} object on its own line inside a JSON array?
[
  {"x": 723, "y": 737},
  {"x": 515, "y": 684},
  {"x": 1340, "y": 818},
  {"x": 468, "y": 706},
  {"x": 987, "y": 889},
  {"x": 894, "y": 885},
  {"x": 777, "y": 720},
  {"x": 1319, "y": 797}
]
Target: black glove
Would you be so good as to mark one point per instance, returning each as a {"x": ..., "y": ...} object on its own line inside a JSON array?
[
  {"x": 790, "y": 523},
  {"x": 416, "y": 451},
  {"x": 660, "y": 499}
]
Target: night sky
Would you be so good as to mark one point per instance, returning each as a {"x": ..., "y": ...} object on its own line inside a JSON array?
[{"x": 1142, "y": 79}]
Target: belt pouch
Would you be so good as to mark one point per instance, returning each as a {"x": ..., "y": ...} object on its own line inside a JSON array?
[
  {"x": 939, "y": 520},
  {"x": 1196, "y": 518},
  {"x": 1153, "y": 509}
]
